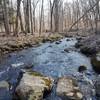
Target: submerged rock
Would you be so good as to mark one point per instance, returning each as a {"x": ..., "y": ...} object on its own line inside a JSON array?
[
  {"x": 66, "y": 50},
  {"x": 82, "y": 68},
  {"x": 96, "y": 63},
  {"x": 33, "y": 86},
  {"x": 58, "y": 42},
  {"x": 67, "y": 39},
  {"x": 4, "y": 84},
  {"x": 67, "y": 88}
]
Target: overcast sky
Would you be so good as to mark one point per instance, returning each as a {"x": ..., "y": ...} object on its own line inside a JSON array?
[{"x": 45, "y": 4}]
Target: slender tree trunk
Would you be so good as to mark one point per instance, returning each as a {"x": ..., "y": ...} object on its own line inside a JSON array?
[
  {"x": 82, "y": 16},
  {"x": 56, "y": 16},
  {"x": 31, "y": 17},
  {"x": 27, "y": 14},
  {"x": 97, "y": 18},
  {"x": 21, "y": 22},
  {"x": 34, "y": 20},
  {"x": 6, "y": 17},
  {"x": 41, "y": 17},
  {"x": 18, "y": 12}
]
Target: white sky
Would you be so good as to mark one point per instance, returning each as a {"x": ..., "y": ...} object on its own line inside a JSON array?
[{"x": 45, "y": 3}]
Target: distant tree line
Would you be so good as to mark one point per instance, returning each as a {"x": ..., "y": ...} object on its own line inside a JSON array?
[{"x": 31, "y": 16}]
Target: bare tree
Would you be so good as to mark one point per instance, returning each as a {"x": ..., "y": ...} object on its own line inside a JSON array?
[
  {"x": 31, "y": 16},
  {"x": 87, "y": 11},
  {"x": 34, "y": 11},
  {"x": 41, "y": 17},
  {"x": 18, "y": 15},
  {"x": 5, "y": 13}
]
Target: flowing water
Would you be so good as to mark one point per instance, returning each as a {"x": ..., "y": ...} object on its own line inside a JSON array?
[{"x": 49, "y": 58}]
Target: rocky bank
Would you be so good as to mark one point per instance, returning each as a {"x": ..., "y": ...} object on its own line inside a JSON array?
[{"x": 11, "y": 43}]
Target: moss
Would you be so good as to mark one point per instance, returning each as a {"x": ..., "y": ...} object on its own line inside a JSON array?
[
  {"x": 55, "y": 37},
  {"x": 35, "y": 96},
  {"x": 47, "y": 81},
  {"x": 52, "y": 38},
  {"x": 35, "y": 73}
]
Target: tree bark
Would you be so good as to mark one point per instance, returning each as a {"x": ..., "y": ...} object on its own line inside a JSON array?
[
  {"x": 41, "y": 16},
  {"x": 31, "y": 17},
  {"x": 18, "y": 12},
  {"x": 6, "y": 17}
]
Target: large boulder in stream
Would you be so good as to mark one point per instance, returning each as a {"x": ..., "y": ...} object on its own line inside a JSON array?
[
  {"x": 33, "y": 86},
  {"x": 96, "y": 62},
  {"x": 67, "y": 89}
]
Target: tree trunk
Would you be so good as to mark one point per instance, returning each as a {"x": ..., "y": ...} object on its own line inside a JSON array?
[
  {"x": 82, "y": 16},
  {"x": 97, "y": 18},
  {"x": 31, "y": 17},
  {"x": 56, "y": 16},
  {"x": 18, "y": 12},
  {"x": 6, "y": 17},
  {"x": 21, "y": 22},
  {"x": 41, "y": 16},
  {"x": 27, "y": 14}
]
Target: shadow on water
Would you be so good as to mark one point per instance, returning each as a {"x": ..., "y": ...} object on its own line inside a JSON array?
[{"x": 50, "y": 59}]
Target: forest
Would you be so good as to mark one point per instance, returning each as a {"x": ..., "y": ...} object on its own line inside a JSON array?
[
  {"x": 38, "y": 16},
  {"x": 49, "y": 49}
]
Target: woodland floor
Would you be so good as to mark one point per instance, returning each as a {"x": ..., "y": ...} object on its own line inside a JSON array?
[{"x": 11, "y": 43}]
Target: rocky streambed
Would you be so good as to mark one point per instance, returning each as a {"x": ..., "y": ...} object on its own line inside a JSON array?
[{"x": 51, "y": 71}]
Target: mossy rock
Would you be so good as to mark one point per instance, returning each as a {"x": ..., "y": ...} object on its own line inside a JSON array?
[
  {"x": 47, "y": 81},
  {"x": 33, "y": 86},
  {"x": 55, "y": 37},
  {"x": 88, "y": 50},
  {"x": 58, "y": 42},
  {"x": 35, "y": 73}
]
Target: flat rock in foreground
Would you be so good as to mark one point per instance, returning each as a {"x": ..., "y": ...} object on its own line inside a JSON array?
[
  {"x": 68, "y": 89},
  {"x": 33, "y": 86}
]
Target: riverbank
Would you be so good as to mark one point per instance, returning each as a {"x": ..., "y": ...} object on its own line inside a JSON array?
[
  {"x": 10, "y": 44},
  {"x": 89, "y": 45}
]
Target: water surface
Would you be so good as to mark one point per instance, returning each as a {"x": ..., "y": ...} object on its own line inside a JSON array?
[{"x": 50, "y": 59}]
